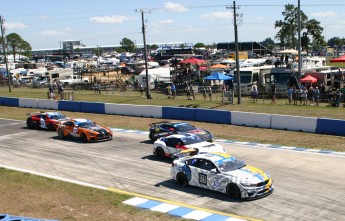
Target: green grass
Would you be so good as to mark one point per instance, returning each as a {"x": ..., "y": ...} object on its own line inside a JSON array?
[{"x": 160, "y": 99}]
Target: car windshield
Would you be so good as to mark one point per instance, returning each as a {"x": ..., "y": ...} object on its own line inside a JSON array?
[
  {"x": 229, "y": 164},
  {"x": 191, "y": 140},
  {"x": 85, "y": 124},
  {"x": 57, "y": 116},
  {"x": 184, "y": 127}
]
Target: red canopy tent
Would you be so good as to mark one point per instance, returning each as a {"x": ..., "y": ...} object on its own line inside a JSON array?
[
  {"x": 308, "y": 79},
  {"x": 338, "y": 60},
  {"x": 192, "y": 61}
]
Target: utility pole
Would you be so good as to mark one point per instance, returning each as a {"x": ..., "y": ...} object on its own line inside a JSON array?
[
  {"x": 4, "y": 50},
  {"x": 299, "y": 41},
  {"x": 234, "y": 7},
  {"x": 142, "y": 11}
]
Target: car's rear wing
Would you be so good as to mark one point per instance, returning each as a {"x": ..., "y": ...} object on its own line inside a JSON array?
[
  {"x": 33, "y": 113},
  {"x": 186, "y": 153},
  {"x": 154, "y": 124}
]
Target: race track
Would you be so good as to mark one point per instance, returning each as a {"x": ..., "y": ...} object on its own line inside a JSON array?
[{"x": 308, "y": 186}]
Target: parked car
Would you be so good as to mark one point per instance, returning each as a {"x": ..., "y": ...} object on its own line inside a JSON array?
[
  {"x": 169, "y": 147},
  {"x": 44, "y": 120},
  {"x": 166, "y": 128},
  {"x": 223, "y": 173},
  {"x": 84, "y": 130}
]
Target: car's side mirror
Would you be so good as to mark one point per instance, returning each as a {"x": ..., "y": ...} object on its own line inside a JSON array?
[{"x": 214, "y": 170}]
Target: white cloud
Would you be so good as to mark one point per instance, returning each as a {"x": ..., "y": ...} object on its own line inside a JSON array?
[
  {"x": 116, "y": 19},
  {"x": 217, "y": 15},
  {"x": 324, "y": 14},
  {"x": 44, "y": 17},
  {"x": 166, "y": 21},
  {"x": 169, "y": 6},
  {"x": 15, "y": 25},
  {"x": 50, "y": 33}
]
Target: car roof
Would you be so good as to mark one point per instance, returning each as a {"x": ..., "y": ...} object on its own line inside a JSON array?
[
  {"x": 181, "y": 136},
  {"x": 81, "y": 120},
  {"x": 214, "y": 157}
]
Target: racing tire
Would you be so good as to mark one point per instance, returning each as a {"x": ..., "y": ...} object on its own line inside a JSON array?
[
  {"x": 233, "y": 191},
  {"x": 151, "y": 136},
  {"x": 61, "y": 134},
  {"x": 83, "y": 138},
  {"x": 159, "y": 152},
  {"x": 181, "y": 180},
  {"x": 30, "y": 123},
  {"x": 50, "y": 127}
]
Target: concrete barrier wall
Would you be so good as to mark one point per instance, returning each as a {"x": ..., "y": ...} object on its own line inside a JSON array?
[
  {"x": 92, "y": 107},
  {"x": 213, "y": 116},
  {"x": 118, "y": 109},
  {"x": 147, "y": 111},
  {"x": 250, "y": 119},
  {"x": 293, "y": 123},
  {"x": 28, "y": 102},
  {"x": 274, "y": 121},
  {"x": 330, "y": 126},
  {"x": 178, "y": 113},
  {"x": 10, "y": 101},
  {"x": 48, "y": 104},
  {"x": 69, "y": 106}
]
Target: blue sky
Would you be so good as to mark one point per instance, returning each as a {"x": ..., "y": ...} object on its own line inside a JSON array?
[{"x": 105, "y": 22}]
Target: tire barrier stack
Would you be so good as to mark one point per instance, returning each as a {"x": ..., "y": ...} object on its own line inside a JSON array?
[
  {"x": 249, "y": 119},
  {"x": 7, "y": 217}
]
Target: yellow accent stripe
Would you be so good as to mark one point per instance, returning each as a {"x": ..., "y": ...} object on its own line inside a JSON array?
[
  {"x": 256, "y": 170},
  {"x": 179, "y": 204}
]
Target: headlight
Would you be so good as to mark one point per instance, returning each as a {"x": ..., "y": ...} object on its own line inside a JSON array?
[
  {"x": 90, "y": 133},
  {"x": 248, "y": 185}
]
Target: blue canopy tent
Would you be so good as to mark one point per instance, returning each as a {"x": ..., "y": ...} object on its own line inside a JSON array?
[{"x": 218, "y": 76}]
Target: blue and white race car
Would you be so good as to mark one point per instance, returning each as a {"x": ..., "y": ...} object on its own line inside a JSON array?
[{"x": 223, "y": 173}]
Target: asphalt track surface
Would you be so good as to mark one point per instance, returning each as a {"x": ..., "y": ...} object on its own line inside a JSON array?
[{"x": 308, "y": 186}]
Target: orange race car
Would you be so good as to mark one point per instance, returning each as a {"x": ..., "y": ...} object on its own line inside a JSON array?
[{"x": 84, "y": 129}]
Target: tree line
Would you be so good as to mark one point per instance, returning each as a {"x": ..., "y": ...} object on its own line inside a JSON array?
[{"x": 311, "y": 35}]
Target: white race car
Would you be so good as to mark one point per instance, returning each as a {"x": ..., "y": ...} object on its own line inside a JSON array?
[
  {"x": 168, "y": 147},
  {"x": 223, "y": 173}
]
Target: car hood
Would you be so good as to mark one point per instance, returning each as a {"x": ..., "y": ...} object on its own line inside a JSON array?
[
  {"x": 248, "y": 174},
  {"x": 206, "y": 147},
  {"x": 98, "y": 129}
]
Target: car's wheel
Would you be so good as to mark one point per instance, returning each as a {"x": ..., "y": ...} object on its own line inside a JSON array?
[
  {"x": 152, "y": 138},
  {"x": 50, "y": 127},
  {"x": 30, "y": 123},
  {"x": 83, "y": 138},
  {"x": 61, "y": 134},
  {"x": 233, "y": 191},
  {"x": 182, "y": 180},
  {"x": 159, "y": 152}
]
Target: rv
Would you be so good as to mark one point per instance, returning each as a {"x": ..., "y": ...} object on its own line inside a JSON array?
[
  {"x": 159, "y": 74},
  {"x": 283, "y": 78},
  {"x": 249, "y": 75}
]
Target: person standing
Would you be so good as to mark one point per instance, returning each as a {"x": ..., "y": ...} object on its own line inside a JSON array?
[
  {"x": 273, "y": 91},
  {"x": 316, "y": 94},
  {"x": 210, "y": 92},
  {"x": 204, "y": 91},
  {"x": 169, "y": 91},
  {"x": 254, "y": 92},
  {"x": 290, "y": 93},
  {"x": 51, "y": 92},
  {"x": 191, "y": 88},
  {"x": 173, "y": 90},
  {"x": 61, "y": 91}
]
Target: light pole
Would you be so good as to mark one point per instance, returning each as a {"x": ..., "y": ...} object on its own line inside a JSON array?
[
  {"x": 148, "y": 95},
  {"x": 236, "y": 54}
]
